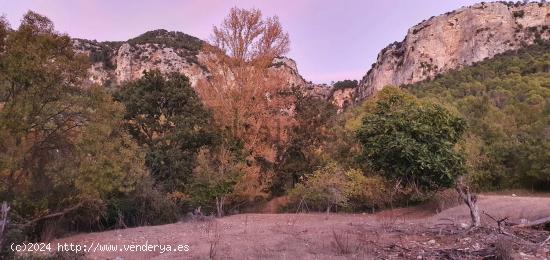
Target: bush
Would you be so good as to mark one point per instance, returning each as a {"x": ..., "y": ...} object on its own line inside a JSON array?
[
  {"x": 519, "y": 14},
  {"x": 322, "y": 190},
  {"x": 366, "y": 192},
  {"x": 331, "y": 186},
  {"x": 142, "y": 207}
]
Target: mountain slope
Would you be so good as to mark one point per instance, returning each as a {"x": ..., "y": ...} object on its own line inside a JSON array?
[
  {"x": 116, "y": 62},
  {"x": 506, "y": 102},
  {"x": 456, "y": 39}
]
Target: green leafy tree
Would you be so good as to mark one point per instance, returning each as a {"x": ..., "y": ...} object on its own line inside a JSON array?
[
  {"x": 308, "y": 138},
  {"x": 166, "y": 116},
  {"x": 412, "y": 141},
  {"x": 214, "y": 179}
]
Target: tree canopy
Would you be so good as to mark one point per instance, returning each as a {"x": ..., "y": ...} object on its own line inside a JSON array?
[
  {"x": 411, "y": 140},
  {"x": 166, "y": 116}
]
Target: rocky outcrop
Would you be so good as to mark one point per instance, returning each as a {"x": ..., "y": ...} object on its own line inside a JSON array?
[
  {"x": 456, "y": 39},
  {"x": 116, "y": 62},
  {"x": 343, "y": 97}
]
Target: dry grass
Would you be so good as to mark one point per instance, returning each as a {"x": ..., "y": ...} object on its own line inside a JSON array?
[
  {"x": 213, "y": 238},
  {"x": 445, "y": 199},
  {"x": 503, "y": 249},
  {"x": 394, "y": 234},
  {"x": 342, "y": 242}
]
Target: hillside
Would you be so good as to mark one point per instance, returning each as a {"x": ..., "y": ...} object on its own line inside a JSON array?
[
  {"x": 456, "y": 39},
  {"x": 506, "y": 101}
]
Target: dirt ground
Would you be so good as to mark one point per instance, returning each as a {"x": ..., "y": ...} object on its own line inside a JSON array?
[{"x": 409, "y": 233}]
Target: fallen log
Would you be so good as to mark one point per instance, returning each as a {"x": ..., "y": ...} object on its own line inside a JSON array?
[{"x": 536, "y": 223}]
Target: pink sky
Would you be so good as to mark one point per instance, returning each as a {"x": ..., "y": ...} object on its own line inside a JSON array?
[{"x": 330, "y": 40}]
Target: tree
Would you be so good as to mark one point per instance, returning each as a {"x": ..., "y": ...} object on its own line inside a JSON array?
[
  {"x": 4, "y": 26},
  {"x": 308, "y": 137},
  {"x": 214, "y": 179},
  {"x": 62, "y": 148},
  {"x": 248, "y": 100},
  {"x": 166, "y": 116},
  {"x": 413, "y": 141}
]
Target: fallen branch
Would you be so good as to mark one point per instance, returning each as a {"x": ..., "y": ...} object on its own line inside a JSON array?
[
  {"x": 500, "y": 222},
  {"x": 544, "y": 242},
  {"x": 53, "y": 215},
  {"x": 535, "y": 223}
]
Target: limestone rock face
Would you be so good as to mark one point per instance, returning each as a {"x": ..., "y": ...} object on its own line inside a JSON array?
[
  {"x": 456, "y": 39},
  {"x": 116, "y": 62},
  {"x": 342, "y": 98},
  {"x": 131, "y": 62}
]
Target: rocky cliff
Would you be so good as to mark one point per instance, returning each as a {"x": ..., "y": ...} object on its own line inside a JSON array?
[
  {"x": 116, "y": 62},
  {"x": 455, "y": 39}
]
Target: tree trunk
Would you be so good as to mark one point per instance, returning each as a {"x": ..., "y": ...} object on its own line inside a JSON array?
[
  {"x": 219, "y": 206},
  {"x": 4, "y": 220},
  {"x": 471, "y": 201},
  {"x": 328, "y": 211}
]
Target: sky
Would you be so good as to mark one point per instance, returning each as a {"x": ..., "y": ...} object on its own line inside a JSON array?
[{"x": 331, "y": 40}]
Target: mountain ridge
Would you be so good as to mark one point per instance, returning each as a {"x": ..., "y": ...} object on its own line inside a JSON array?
[{"x": 167, "y": 51}]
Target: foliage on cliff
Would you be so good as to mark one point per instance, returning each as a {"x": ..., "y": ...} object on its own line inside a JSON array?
[{"x": 506, "y": 102}]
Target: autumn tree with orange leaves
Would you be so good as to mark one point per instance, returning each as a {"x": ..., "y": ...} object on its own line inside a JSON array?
[
  {"x": 248, "y": 99},
  {"x": 251, "y": 102}
]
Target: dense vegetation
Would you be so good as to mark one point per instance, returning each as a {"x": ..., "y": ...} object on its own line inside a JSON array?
[
  {"x": 176, "y": 40},
  {"x": 63, "y": 149},
  {"x": 345, "y": 84},
  {"x": 506, "y": 103}
]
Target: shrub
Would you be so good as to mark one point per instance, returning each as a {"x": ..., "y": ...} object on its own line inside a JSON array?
[
  {"x": 366, "y": 192},
  {"x": 322, "y": 190},
  {"x": 519, "y": 14},
  {"x": 144, "y": 206},
  {"x": 331, "y": 186}
]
